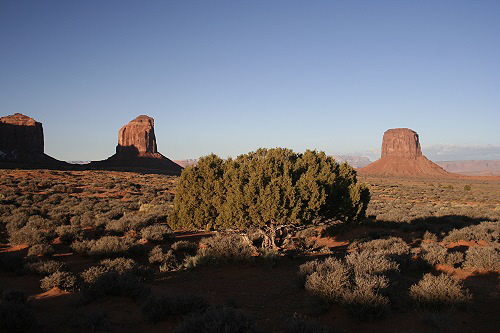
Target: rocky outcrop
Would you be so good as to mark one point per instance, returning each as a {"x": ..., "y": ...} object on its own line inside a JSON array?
[
  {"x": 22, "y": 134},
  {"x": 21, "y": 141},
  {"x": 402, "y": 157},
  {"x": 401, "y": 142},
  {"x": 137, "y": 148},
  {"x": 139, "y": 134}
]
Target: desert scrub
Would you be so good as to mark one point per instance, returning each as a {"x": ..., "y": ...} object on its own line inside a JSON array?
[
  {"x": 119, "y": 266},
  {"x": 67, "y": 233},
  {"x": 45, "y": 267},
  {"x": 486, "y": 258},
  {"x": 107, "y": 246},
  {"x": 223, "y": 248},
  {"x": 101, "y": 282},
  {"x": 486, "y": 231},
  {"x": 63, "y": 280},
  {"x": 217, "y": 319},
  {"x": 157, "y": 233},
  {"x": 367, "y": 262},
  {"x": 159, "y": 308},
  {"x": 156, "y": 255},
  {"x": 40, "y": 250},
  {"x": 330, "y": 280},
  {"x": 28, "y": 235},
  {"x": 184, "y": 247},
  {"x": 355, "y": 283},
  {"x": 438, "y": 292},
  {"x": 387, "y": 246},
  {"x": 436, "y": 254}
]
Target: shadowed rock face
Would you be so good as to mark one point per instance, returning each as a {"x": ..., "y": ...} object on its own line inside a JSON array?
[
  {"x": 21, "y": 134},
  {"x": 402, "y": 157},
  {"x": 401, "y": 142},
  {"x": 21, "y": 143},
  {"x": 140, "y": 134}
]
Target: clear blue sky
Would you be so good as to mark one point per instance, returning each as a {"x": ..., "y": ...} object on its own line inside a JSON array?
[{"x": 232, "y": 76}]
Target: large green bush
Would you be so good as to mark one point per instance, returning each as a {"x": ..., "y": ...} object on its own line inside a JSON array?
[{"x": 267, "y": 186}]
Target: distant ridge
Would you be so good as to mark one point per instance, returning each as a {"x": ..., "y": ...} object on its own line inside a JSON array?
[{"x": 472, "y": 167}]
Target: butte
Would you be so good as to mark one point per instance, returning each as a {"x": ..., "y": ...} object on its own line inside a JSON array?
[
  {"x": 402, "y": 157},
  {"x": 137, "y": 149},
  {"x": 22, "y": 143}
]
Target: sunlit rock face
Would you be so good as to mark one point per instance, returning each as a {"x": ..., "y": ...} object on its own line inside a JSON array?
[{"x": 401, "y": 142}]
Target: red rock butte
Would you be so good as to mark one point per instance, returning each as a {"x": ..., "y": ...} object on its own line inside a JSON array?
[
  {"x": 137, "y": 148},
  {"x": 21, "y": 141},
  {"x": 402, "y": 157}
]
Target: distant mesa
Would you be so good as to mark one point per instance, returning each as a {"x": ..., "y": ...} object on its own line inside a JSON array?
[
  {"x": 21, "y": 142},
  {"x": 137, "y": 149},
  {"x": 402, "y": 156},
  {"x": 472, "y": 167}
]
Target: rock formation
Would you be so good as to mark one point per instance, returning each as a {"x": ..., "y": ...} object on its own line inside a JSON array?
[
  {"x": 138, "y": 134},
  {"x": 402, "y": 156},
  {"x": 21, "y": 141},
  {"x": 137, "y": 149}
]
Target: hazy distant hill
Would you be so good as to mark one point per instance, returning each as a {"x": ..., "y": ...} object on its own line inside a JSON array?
[
  {"x": 472, "y": 167},
  {"x": 355, "y": 161},
  {"x": 188, "y": 162}
]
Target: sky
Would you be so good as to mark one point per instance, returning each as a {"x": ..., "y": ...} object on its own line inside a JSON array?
[{"x": 228, "y": 77}]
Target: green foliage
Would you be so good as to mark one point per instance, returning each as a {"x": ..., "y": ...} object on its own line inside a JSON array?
[{"x": 267, "y": 186}]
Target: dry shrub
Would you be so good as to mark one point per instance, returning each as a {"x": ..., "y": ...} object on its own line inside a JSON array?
[
  {"x": 330, "y": 280},
  {"x": 356, "y": 282},
  {"x": 28, "y": 235},
  {"x": 487, "y": 258},
  {"x": 119, "y": 266},
  {"x": 107, "y": 246},
  {"x": 40, "y": 250},
  {"x": 157, "y": 233},
  {"x": 185, "y": 247},
  {"x": 439, "y": 291},
  {"x": 223, "y": 248},
  {"x": 62, "y": 280},
  {"x": 45, "y": 267},
  {"x": 156, "y": 255},
  {"x": 429, "y": 236},
  {"x": 436, "y": 254},
  {"x": 486, "y": 231},
  {"x": 367, "y": 262},
  {"x": 365, "y": 303},
  {"x": 387, "y": 246}
]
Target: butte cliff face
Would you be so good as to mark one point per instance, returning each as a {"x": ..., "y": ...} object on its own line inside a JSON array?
[
  {"x": 402, "y": 156},
  {"x": 137, "y": 148},
  {"x": 138, "y": 136},
  {"x": 21, "y": 141}
]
